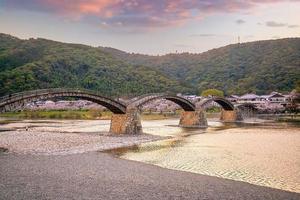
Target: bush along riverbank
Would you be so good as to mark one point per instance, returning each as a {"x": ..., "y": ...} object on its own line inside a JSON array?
[
  {"x": 80, "y": 115},
  {"x": 59, "y": 114}
]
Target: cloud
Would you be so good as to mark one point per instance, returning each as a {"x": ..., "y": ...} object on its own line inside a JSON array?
[
  {"x": 293, "y": 26},
  {"x": 275, "y": 37},
  {"x": 240, "y": 21},
  {"x": 210, "y": 35},
  {"x": 182, "y": 45},
  {"x": 278, "y": 24},
  {"x": 275, "y": 24},
  {"x": 137, "y": 13},
  {"x": 203, "y": 35},
  {"x": 249, "y": 36}
]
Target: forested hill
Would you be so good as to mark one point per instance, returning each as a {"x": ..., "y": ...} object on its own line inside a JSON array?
[
  {"x": 39, "y": 63},
  {"x": 259, "y": 67}
]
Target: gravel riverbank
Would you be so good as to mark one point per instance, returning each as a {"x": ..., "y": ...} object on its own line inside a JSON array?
[
  {"x": 96, "y": 175},
  {"x": 54, "y": 137},
  {"x": 37, "y": 142}
]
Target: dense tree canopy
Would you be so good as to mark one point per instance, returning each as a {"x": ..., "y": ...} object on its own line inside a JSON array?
[
  {"x": 298, "y": 87},
  {"x": 259, "y": 67},
  {"x": 212, "y": 92},
  {"x": 38, "y": 63}
]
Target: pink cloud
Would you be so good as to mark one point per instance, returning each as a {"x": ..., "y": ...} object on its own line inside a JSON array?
[
  {"x": 138, "y": 13},
  {"x": 78, "y": 8}
]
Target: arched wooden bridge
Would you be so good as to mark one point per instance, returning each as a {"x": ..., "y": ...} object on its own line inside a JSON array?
[
  {"x": 13, "y": 101},
  {"x": 125, "y": 117},
  {"x": 224, "y": 103},
  {"x": 184, "y": 103}
]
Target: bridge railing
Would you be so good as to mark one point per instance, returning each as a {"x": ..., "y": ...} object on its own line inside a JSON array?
[
  {"x": 145, "y": 95},
  {"x": 223, "y": 102},
  {"x": 47, "y": 91},
  {"x": 40, "y": 92},
  {"x": 149, "y": 95},
  {"x": 19, "y": 94},
  {"x": 28, "y": 93}
]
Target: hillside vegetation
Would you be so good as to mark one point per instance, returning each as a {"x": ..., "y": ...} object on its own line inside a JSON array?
[
  {"x": 258, "y": 67},
  {"x": 39, "y": 63}
]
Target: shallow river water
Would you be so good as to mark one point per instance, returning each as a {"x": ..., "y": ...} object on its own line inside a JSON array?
[
  {"x": 266, "y": 154},
  {"x": 261, "y": 153}
]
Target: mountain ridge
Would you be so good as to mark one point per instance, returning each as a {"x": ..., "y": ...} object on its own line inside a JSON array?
[
  {"x": 258, "y": 67},
  {"x": 234, "y": 61},
  {"x": 39, "y": 63}
]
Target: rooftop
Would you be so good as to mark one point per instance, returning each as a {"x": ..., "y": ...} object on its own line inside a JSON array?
[{"x": 249, "y": 96}]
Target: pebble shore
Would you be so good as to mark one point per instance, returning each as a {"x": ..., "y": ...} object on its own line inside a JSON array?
[
  {"x": 51, "y": 137},
  {"x": 36, "y": 142}
]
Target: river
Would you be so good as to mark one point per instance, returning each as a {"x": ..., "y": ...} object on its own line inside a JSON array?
[
  {"x": 266, "y": 154},
  {"x": 259, "y": 152}
]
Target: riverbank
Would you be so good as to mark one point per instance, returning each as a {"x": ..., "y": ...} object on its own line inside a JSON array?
[
  {"x": 36, "y": 142},
  {"x": 64, "y": 137},
  {"x": 80, "y": 115},
  {"x": 241, "y": 152},
  {"x": 59, "y": 114},
  {"x": 295, "y": 118},
  {"x": 100, "y": 176},
  {"x": 106, "y": 115}
]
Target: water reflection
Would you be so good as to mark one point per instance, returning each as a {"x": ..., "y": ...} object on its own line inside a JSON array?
[{"x": 266, "y": 154}]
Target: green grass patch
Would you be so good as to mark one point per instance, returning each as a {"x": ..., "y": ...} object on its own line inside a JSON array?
[
  {"x": 213, "y": 110},
  {"x": 59, "y": 114},
  {"x": 289, "y": 119}
]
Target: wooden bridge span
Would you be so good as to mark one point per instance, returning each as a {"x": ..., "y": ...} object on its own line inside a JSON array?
[{"x": 126, "y": 116}]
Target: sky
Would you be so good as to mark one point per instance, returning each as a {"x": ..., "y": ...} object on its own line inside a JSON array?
[{"x": 152, "y": 27}]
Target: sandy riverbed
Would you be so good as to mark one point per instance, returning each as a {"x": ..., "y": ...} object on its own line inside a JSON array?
[{"x": 96, "y": 175}]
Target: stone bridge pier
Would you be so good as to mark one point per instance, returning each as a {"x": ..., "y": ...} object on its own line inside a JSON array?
[
  {"x": 231, "y": 115},
  {"x": 128, "y": 123},
  {"x": 193, "y": 119}
]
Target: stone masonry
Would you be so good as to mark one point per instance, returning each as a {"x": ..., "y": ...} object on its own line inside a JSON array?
[
  {"x": 193, "y": 119},
  {"x": 129, "y": 123},
  {"x": 230, "y": 115}
]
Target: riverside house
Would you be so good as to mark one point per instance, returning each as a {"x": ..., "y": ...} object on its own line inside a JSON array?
[
  {"x": 250, "y": 98},
  {"x": 273, "y": 98},
  {"x": 276, "y": 97}
]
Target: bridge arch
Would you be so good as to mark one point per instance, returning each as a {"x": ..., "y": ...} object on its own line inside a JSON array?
[
  {"x": 247, "y": 110},
  {"x": 190, "y": 117},
  {"x": 18, "y": 99},
  {"x": 138, "y": 102},
  {"x": 224, "y": 103},
  {"x": 247, "y": 106}
]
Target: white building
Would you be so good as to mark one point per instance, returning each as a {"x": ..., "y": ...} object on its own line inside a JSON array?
[
  {"x": 276, "y": 97},
  {"x": 250, "y": 98},
  {"x": 271, "y": 100}
]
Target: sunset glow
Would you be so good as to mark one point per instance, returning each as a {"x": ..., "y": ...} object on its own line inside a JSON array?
[{"x": 161, "y": 25}]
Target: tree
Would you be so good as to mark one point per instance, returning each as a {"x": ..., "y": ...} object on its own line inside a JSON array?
[
  {"x": 297, "y": 87},
  {"x": 293, "y": 106},
  {"x": 212, "y": 92}
]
